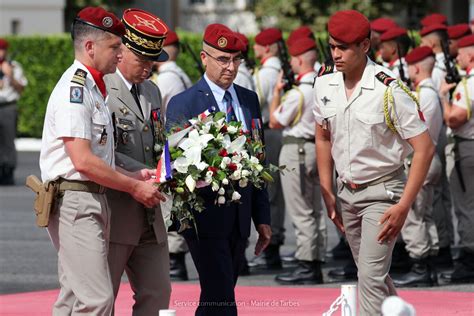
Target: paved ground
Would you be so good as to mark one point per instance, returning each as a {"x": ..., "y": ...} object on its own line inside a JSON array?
[{"x": 28, "y": 260}]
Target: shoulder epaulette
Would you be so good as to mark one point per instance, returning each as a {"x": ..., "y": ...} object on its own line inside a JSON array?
[
  {"x": 384, "y": 78},
  {"x": 325, "y": 69},
  {"x": 79, "y": 77}
]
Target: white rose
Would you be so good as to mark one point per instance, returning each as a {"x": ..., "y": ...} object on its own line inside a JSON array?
[
  {"x": 221, "y": 191},
  {"x": 245, "y": 173},
  {"x": 231, "y": 129},
  {"x": 243, "y": 183},
  {"x": 225, "y": 181},
  {"x": 244, "y": 154},
  {"x": 236, "y": 196},
  {"x": 221, "y": 200},
  {"x": 236, "y": 175},
  {"x": 215, "y": 186},
  {"x": 190, "y": 183},
  {"x": 254, "y": 160}
]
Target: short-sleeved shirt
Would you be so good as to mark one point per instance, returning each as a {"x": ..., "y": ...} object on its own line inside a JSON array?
[
  {"x": 7, "y": 92},
  {"x": 265, "y": 79},
  {"x": 244, "y": 77},
  {"x": 463, "y": 98},
  {"x": 171, "y": 80},
  {"x": 296, "y": 109},
  {"x": 78, "y": 111},
  {"x": 362, "y": 145},
  {"x": 430, "y": 106},
  {"x": 439, "y": 71}
]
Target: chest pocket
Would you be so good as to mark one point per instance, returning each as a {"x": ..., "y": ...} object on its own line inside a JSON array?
[
  {"x": 126, "y": 134},
  {"x": 329, "y": 115},
  {"x": 100, "y": 121},
  {"x": 370, "y": 127}
]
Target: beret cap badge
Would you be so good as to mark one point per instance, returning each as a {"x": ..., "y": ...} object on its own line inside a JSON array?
[
  {"x": 222, "y": 42},
  {"x": 107, "y": 21}
]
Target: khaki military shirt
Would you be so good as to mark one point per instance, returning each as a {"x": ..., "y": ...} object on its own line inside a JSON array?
[
  {"x": 439, "y": 71},
  {"x": 296, "y": 109},
  {"x": 462, "y": 97},
  {"x": 430, "y": 106},
  {"x": 76, "y": 109},
  {"x": 265, "y": 79},
  {"x": 7, "y": 92},
  {"x": 363, "y": 147}
]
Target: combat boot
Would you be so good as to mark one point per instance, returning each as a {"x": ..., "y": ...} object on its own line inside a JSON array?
[
  {"x": 307, "y": 272},
  {"x": 178, "y": 271},
  {"x": 268, "y": 259},
  {"x": 419, "y": 275},
  {"x": 463, "y": 272},
  {"x": 347, "y": 272}
]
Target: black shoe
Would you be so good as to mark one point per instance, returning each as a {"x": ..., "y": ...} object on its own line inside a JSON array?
[
  {"x": 401, "y": 261},
  {"x": 443, "y": 260},
  {"x": 341, "y": 250},
  {"x": 178, "y": 270},
  {"x": 6, "y": 176},
  {"x": 269, "y": 259},
  {"x": 419, "y": 276},
  {"x": 348, "y": 272},
  {"x": 464, "y": 271},
  {"x": 289, "y": 258},
  {"x": 307, "y": 272}
]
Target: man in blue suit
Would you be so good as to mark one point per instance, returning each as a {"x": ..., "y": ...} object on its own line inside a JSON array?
[{"x": 219, "y": 245}]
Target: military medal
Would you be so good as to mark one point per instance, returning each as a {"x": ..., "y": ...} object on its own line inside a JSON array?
[
  {"x": 257, "y": 130},
  {"x": 103, "y": 137}
]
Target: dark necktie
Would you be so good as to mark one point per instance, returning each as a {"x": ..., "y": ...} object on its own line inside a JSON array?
[
  {"x": 134, "y": 91},
  {"x": 230, "y": 114}
]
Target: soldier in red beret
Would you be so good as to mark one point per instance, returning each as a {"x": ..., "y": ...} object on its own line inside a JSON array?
[
  {"x": 455, "y": 32},
  {"x": 377, "y": 28},
  {"x": 218, "y": 244},
  {"x": 367, "y": 123},
  {"x": 292, "y": 113},
  {"x": 458, "y": 116},
  {"x": 419, "y": 232},
  {"x": 265, "y": 78},
  {"x": 244, "y": 76},
  {"x": 434, "y": 36},
  {"x": 77, "y": 159},
  {"x": 303, "y": 32},
  {"x": 434, "y": 18},
  {"x": 12, "y": 84},
  {"x": 394, "y": 45}
]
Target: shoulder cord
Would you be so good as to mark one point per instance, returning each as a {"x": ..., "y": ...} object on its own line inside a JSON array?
[
  {"x": 300, "y": 104},
  {"x": 388, "y": 101}
]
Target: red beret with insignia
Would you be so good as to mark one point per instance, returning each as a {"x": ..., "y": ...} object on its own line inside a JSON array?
[
  {"x": 458, "y": 30},
  {"x": 101, "y": 19},
  {"x": 268, "y": 36},
  {"x": 3, "y": 43},
  {"x": 466, "y": 41},
  {"x": 301, "y": 32},
  {"x": 301, "y": 45},
  {"x": 432, "y": 28},
  {"x": 171, "y": 38},
  {"x": 393, "y": 33},
  {"x": 145, "y": 34},
  {"x": 244, "y": 40},
  {"x": 349, "y": 26},
  {"x": 418, "y": 54},
  {"x": 435, "y": 18},
  {"x": 381, "y": 25},
  {"x": 222, "y": 38}
]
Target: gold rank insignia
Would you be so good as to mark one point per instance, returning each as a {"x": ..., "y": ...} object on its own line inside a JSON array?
[
  {"x": 79, "y": 77},
  {"x": 124, "y": 110}
]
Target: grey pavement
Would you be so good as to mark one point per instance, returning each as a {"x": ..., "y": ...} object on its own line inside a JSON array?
[{"x": 28, "y": 261}]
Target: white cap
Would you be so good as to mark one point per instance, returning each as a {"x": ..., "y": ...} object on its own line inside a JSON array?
[{"x": 395, "y": 306}]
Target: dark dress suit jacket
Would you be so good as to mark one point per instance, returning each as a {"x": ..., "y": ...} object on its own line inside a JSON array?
[{"x": 221, "y": 221}]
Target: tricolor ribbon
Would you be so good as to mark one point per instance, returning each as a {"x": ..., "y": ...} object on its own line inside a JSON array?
[{"x": 163, "y": 169}]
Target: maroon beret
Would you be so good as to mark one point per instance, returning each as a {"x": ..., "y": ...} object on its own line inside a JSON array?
[
  {"x": 458, "y": 30},
  {"x": 348, "y": 26},
  {"x": 432, "y": 28},
  {"x": 466, "y": 41},
  {"x": 393, "y": 33},
  {"x": 244, "y": 40},
  {"x": 301, "y": 45},
  {"x": 145, "y": 34},
  {"x": 171, "y": 38},
  {"x": 222, "y": 38},
  {"x": 99, "y": 18},
  {"x": 435, "y": 18},
  {"x": 268, "y": 36},
  {"x": 418, "y": 54},
  {"x": 381, "y": 25},
  {"x": 3, "y": 43},
  {"x": 301, "y": 32}
]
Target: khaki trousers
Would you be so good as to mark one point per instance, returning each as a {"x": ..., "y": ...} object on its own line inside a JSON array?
[
  {"x": 305, "y": 209},
  {"x": 419, "y": 232},
  {"x": 361, "y": 212},
  {"x": 79, "y": 230}
]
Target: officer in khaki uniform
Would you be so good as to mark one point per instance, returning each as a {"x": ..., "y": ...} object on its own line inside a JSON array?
[
  {"x": 419, "y": 232},
  {"x": 265, "y": 78},
  {"x": 12, "y": 83},
  {"x": 367, "y": 124},
  {"x": 138, "y": 242},
  {"x": 458, "y": 116},
  {"x": 293, "y": 114},
  {"x": 171, "y": 80},
  {"x": 77, "y": 154}
]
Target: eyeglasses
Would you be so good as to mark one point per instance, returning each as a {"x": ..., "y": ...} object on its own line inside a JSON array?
[{"x": 225, "y": 61}]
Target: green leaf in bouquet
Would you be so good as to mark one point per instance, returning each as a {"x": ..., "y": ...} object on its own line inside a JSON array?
[
  {"x": 221, "y": 175},
  {"x": 218, "y": 116}
]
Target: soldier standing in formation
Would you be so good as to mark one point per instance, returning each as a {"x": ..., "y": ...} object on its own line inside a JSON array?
[
  {"x": 138, "y": 243},
  {"x": 12, "y": 83}
]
